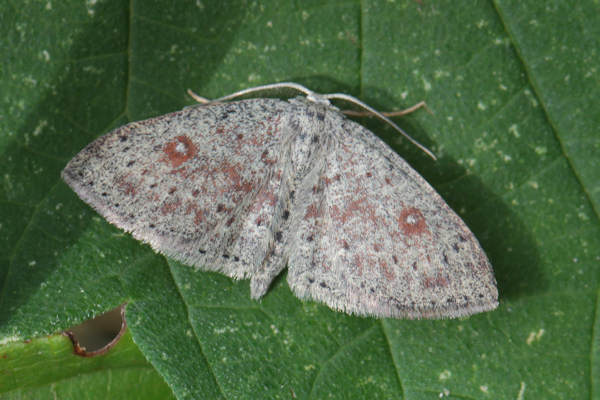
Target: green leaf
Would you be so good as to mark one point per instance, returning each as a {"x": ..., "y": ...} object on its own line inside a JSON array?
[
  {"x": 47, "y": 368},
  {"x": 513, "y": 89}
]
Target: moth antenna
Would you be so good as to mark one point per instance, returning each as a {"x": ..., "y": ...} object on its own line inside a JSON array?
[
  {"x": 381, "y": 116},
  {"x": 271, "y": 86},
  {"x": 197, "y": 97},
  {"x": 315, "y": 97},
  {"x": 390, "y": 114}
]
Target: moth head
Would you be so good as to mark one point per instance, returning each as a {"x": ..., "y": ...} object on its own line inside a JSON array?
[{"x": 318, "y": 98}]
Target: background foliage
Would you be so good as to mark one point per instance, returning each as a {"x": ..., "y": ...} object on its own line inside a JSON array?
[{"x": 513, "y": 87}]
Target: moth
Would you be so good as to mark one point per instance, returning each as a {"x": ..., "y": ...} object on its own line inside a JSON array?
[{"x": 249, "y": 187}]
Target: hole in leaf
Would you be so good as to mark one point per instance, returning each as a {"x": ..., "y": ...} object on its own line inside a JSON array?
[{"x": 96, "y": 336}]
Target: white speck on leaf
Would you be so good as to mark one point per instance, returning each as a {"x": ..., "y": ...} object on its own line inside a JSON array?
[
  {"x": 541, "y": 150},
  {"x": 92, "y": 69},
  {"x": 426, "y": 85},
  {"x": 534, "y": 336},
  {"x": 30, "y": 81},
  {"x": 505, "y": 157},
  {"x": 441, "y": 74},
  {"x": 583, "y": 216},
  {"x": 41, "y": 125},
  {"x": 533, "y": 184},
  {"x": 444, "y": 375},
  {"x": 90, "y": 4}
]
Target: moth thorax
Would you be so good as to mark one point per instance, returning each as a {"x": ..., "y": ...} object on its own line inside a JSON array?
[{"x": 305, "y": 147}]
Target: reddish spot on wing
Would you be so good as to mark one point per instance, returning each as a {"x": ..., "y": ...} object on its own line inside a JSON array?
[
  {"x": 359, "y": 263},
  {"x": 389, "y": 275},
  {"x": 360, "y": 208},
  {"x": 312, "y": 211},
  {"x": 198, "y": 213},
  {"x": 199, "y": 217},
  {"x": 126, "y": 186},
  {"x": 265, "y": 196},
  {"x": 327, "y": 180},
  {"x": 231, "y": 172},
  {"x": 437, "y": 281},
  {"x": 412, "y": 222},
  {"x": 179, "y": 151},
  {"x": 170, "y": 207},
  {"x": 264, "y": 157}
]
